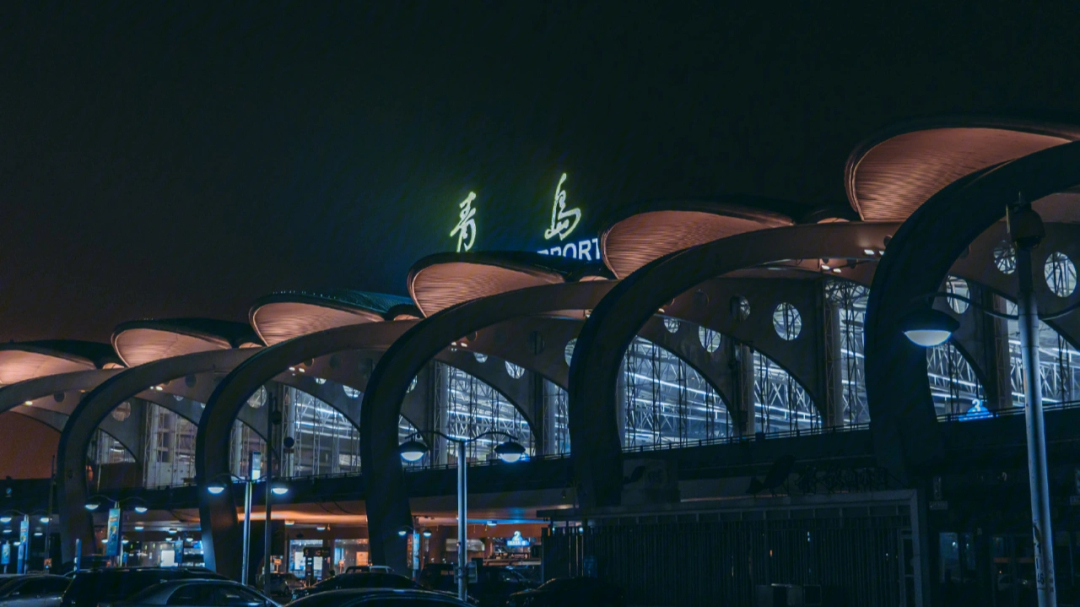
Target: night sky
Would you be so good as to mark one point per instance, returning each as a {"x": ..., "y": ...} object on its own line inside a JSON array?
[{"x": 175, "y": 159}]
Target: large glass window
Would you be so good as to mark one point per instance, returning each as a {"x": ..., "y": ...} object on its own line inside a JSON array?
[
  {"x": 666, "y": 401},
  {"x": 326, "y": 441},
  {"x": 472, "y": 407},
  {"x": 850, "y": 300},
  {"x": 170, "y": 448},
  {"x": 780, "y": 403},
  {"x": 1059, "y": 364}
]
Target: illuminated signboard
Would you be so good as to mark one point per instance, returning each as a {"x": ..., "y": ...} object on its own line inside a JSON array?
[
  {"x": 465, "y": 230},
  {"x": 517, "y": 541}
]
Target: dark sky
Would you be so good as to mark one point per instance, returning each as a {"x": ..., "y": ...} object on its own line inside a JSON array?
[{"x": 175, "y": 159}]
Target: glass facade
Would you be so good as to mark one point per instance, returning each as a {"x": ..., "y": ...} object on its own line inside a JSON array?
[
  {"x": 666, "y": 401},
  {"x": 849, "y": 300},
  {"x": 471, "y": 407}
]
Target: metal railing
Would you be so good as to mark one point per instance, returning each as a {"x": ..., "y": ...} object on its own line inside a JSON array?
[{"x": 1017, "y": 410}]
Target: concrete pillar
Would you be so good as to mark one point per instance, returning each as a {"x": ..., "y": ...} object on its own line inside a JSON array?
[
  {"x": 741, "y": 361},
  {"x": 999, "y": 388}
]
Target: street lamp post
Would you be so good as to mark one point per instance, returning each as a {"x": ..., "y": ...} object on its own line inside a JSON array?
[
  {"x": 23, "y": 554},
  {"x": 929, "y": 328},
  {"x": 509, "y": 451},
  {"x": 1026, "y": 229},
  {"x": 217, "y": 488},
  {"x": 96, "y": 501}
]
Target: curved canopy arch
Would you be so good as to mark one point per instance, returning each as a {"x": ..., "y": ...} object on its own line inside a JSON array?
[
  {"x": 89, "y": 414},
  {"x": 635, "y": 299},
  {"x": 390, "y": 380},
  {"x": 220, "y": 529},
  {"x": 952, "y": 219}
]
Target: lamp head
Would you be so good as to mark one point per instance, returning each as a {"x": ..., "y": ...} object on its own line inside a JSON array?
[
  {"x": 279, "y": 488},
  {"x": 402, "y": 532},
  {"x": 412, "y": 450},
  {"x": 141, "y": 509},
  {"x": 426, "y": 533},
  {"x": 44, "y": 520},
  {"x": 510, "y": 451},
  {"x": 92, "y": 505},
  {"x": 216, "y": 488},
  {"x": 5, "y": 519},
  {"x": 929, "y": 327}
]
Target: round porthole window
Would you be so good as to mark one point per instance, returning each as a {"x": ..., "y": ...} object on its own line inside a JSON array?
[
  {"x": 1060, "y": 274},
  {"x": 319, "y": 380},
  {"x": 568, "y": 351},
  {"x": 412, "y": 385},
  {"x": 514, "y": 371},
  {"x": 710, "y": 340},
  {"x": 350, "y": 391},
  {"x": 258, "y": 399},
  {"x": 672, "y": 325},
  {"x": 1005, "y": 257},
  {"x": 122, "y": 411},
  {"x": 787, "y": 322},
  {"x": 480, "y": 358},
  {"x": 740, "y": 308},
  {"x": 958, "y": 286}
]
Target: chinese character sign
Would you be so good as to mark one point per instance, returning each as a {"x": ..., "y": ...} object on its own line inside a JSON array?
[
  {"x": 563, "y": 221},
  {"x": 465, "y": 230}
]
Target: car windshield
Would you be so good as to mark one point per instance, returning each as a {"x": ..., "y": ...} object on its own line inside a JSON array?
[{"x": 6, "y": 586}]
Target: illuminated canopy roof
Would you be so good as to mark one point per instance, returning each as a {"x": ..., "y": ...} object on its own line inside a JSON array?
[
  {"x": 143, "y": 341},
  {"x": 893, "y": 173},
  {"x": 439, "y": 281},
  {"x": 287, "y": 314},
  {"x": 32, "y": 359},
  {"x": 644, "y": 233}
]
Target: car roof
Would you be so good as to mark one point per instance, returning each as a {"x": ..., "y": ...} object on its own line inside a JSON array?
[
  {"x": 357, "y": 592},
  {"x": 196, "y": 580}
]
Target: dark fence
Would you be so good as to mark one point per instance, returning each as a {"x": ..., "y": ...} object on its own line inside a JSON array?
[{"x": 852, "y": 561}]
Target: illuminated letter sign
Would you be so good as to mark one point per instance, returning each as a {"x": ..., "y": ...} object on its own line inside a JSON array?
[
  {"x": 465, "y": 229},
  {"x": 560, "y": 217}
]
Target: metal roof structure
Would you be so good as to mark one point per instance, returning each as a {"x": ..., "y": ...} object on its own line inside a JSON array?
[
  {"x": 287, "y": 314},
  {"x": 32, "y": 359},
  {"x": 895, "y": 171},
  {"x": 440, "y": 281},
  {"x": 142, "y": 341}
]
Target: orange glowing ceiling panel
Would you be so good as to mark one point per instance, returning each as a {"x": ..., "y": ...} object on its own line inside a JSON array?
[
  {"x": 141, "y": 345},
  {"x": 279, "y": 321},
  {"x": 441, "y": 285},
  {"x": 20, "y": 365},
  {"x": 639, "y": 239},
  {"x": 891, "y": 179}
]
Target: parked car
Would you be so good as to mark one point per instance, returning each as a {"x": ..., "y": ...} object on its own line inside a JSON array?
[
  {"x": 283, "y": 585},
  {"x": 438, "y": 576},
  {"x": 494, "y": 585},
  {"x": 359, "y": 580},
  {"x": 379, "y": 597},
  {"x": 369, "y": 569},
  {"x": 33, "y": 591},
  {"x": 198, "y": 593},
  {"x": 570, "y": 592},
  {"x": 102, "y": 587}
]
